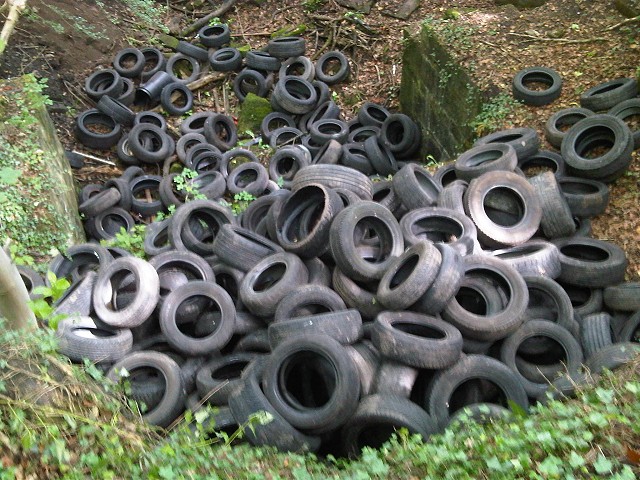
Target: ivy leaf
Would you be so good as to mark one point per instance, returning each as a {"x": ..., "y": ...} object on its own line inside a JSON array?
[
  {"x": 9, "y": 176},
  {"x": 201, "y": 415},
  {"x": 602, "y": 465},
  {"x": 576, "y": 460}
]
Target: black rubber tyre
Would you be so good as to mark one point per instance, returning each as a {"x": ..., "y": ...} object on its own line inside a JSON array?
[
  {"x": 31, "y": 280},
  {"x": 312, "y": 382},
  {"x": 153, "y": 118},
  {"x": 160, "y": 147},
  {"x": 259, "y": 60},
  {"x": 156, "y": 238},
  {"x": 400, "y": 134},
  {"x": 191, "y": 50},
  {"x": 552, "y": 161},
  {"x": 378, "y": 416},
  {"x": 613, "y": 356},
  {"x": 110, "y": 222},
  {"x": 541, "y": 328},
  {"x": 273, "y": 121},
  {"x": 439, "y": 225},
  {"x": 250, "y": 81},
  {"x": 586, "y": 198},
  {"x": 195, "y": 123},
  {"x": 286, "y": 162},
  {"x": 525, "y": 141},
  {"x": 357, "y": 295},
  {"x": 129, "y": 62},
  {"x": 214, "y": 36},
  {"x": 452, "y": 196},
  {"x": 380, "y": 157},
  {"x": 417, "y": 340},
  {"x": 354, "y": 221},
  {"x": 628, "y": 109},
  {"x": 557, "y": 218},
  {"x": 180, "y": 106},
  {"x": 154, "y": 61},
  {"x": 409, "y": 276},
  {"x": 116, "y": 110},
  {"x": 550, "y": 78},
  {"x": 505, "y": 321},
  {"x": 250, "y": 399},
  {"x": 142, "y": 188},
  {"x": 308, "y": 299},
  {"x": 595, "y": 333},
  {"x": 504, "y": 208},
  {"x": 219, "y": 377},
  {"x": 222, "y": 329},
  {"x": 608, "y": 94},
  {"x": 304, "y": 220},
  {"x": 91, "y": 138},
  {"x": 334, "y": 177},
  {"x": 249, "y": 177},
  {"x": 298, "y": 67},
  {"x": 586, "y": 137},
  {"x": 226, "y": 59},
  {"x": 206, "y": 217},
  {"x": 241, "y": 248},
  {"x": 295, "y": 95},
  {"x": 176, "y": 74},
  {"x": 146, "y": 292},
  {"x": 269, "y": 281},
  {"x": 415, "y": 187},
  {"x": 326, "y": 129},
  {"x": 104, "y": 82},
  {"x": 446, "y": 283},
  {"x": 100, "y": 202},
  {"x": 485, "y": 158},
  {"x": 286, "y": 47},
  {"x": 79, "y": 338},
  {"x": 559, "y": 123},
  {"x": 439, "y": 395},
  {"x": 78, "y": 260},
  {"x": 372, "y": 114},
  {"x": 624, "y": 297},
  {"x": 172, "y": 402},
  {"x": 532, "y": 258},
  {"x": 326, "y": 75},
  {"x": 590, "y": 263},
  {"x": 220, "y": 130},
  {"x": 344, "y": 326}
]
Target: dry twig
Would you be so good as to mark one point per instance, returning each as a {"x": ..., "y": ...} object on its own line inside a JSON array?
[
  {"x": 622, "y": 24},
  {"x": 198, "y": 24},
  {"x": 558, "y": 40}
]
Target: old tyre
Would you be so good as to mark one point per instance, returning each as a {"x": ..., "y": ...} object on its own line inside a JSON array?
[
  {"x": 485, "y": 158},
  {"x": 312, "y": 382},
  {"x": 525, "y": 141},
  {"x": 344, "y": 326},
  {"x": 440, "y": 399},
  {"x": 219, "y": 377},
  {"x": 417, "y": 340},
  {"x": 172, "y": 402},
  {"x": 559, "y": 123},
  {"x": 80, "y": 338},
  {"x": 557, "y": 218},
  {"x": 589, "y": 262},
  {"x": 586, "y": 198},
  {"x": 146, "y": 292},
  {"x": 550, "y": 78},
  {"x": 608, "y": 94}
]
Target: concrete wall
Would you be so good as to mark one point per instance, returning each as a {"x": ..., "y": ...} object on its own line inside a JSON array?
[{"x": 438, "y": 94}]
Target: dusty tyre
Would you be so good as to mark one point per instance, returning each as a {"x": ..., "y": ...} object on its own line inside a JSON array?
[
  {"x": 417, "y": 340},
  {"x": 550, "y": 78},
  {"x": 589, "y": 262},
  {"x": 305, "y": 361},
  {"x": 80, "y": 338}
]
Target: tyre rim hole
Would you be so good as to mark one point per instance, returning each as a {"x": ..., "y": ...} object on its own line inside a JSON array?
[
  {"x": 395, "y": 132},
  {"x": 472, "y": 300},
  {"x": 182, "y": 69},
  {"x": 307, "y": 380},
  {"x": 511, "y": 137},
  {"x": 405, "y": 271},
  {"x": 423, "y": 331},
  {"x": 375, "y": 435},
  {"x": 198, "y": 316},
  {"x": 331, "y": 66},
  {"x": 112, "y": 224},
  {"x": 607, "y": 88},
  {"x": 563, "y": 124},
  {"x": 128, "y": 61},
  {"x": 504, "y": 206},
  {"x": 373, "y": 232},
  {"x": 519, "y": 251},
  {"x": 482, "y": 158},
  {"x": 230, "y": 370},
  {"x": 269, "y": 277},
  {"x": 595, "y": 142},
  {"x": 93, "y": 333},
  {"x": 588, "y": 253},
  {"x": 476, "y": 390},
  {"x": 554, "y": 353},
  {"x": 438, "y": 229},
  {"x": 537, "y": 84}
]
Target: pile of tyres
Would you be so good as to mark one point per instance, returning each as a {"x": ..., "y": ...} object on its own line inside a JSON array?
[{"x": 358, "y": 294}]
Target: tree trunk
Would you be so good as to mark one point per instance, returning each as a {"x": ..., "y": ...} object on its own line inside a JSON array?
[{"x": 14, "y": 296}]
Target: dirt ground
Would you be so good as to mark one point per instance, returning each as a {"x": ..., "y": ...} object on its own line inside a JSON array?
[{"x": 582, "y": 39}]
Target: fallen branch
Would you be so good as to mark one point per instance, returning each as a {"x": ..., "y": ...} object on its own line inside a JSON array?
[
  {"x": 92, "y": 157},
  {"x": 198, "y": 24},
  {"x": 622, "y": 24},
  {"x": 559, "y": 40},
  {"x": 15, "y": 8}
]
